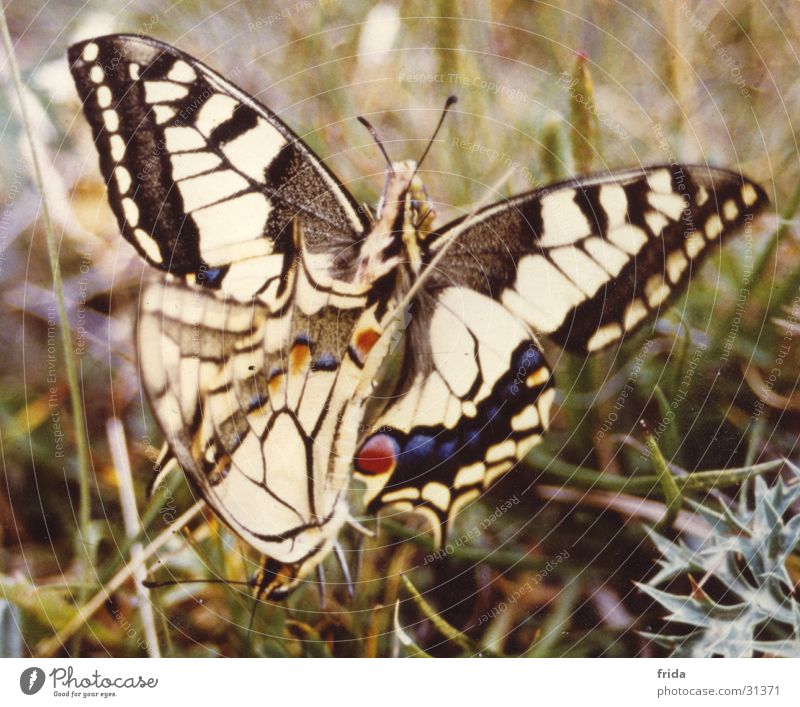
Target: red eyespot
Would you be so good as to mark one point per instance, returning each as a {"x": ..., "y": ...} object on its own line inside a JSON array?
[{"x": 378, "y": 455}]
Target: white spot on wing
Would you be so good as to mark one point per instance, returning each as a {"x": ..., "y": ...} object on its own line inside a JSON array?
[
  {"x": 544, "y": 403},
  {"x": 615, "y": 203},
  {"x": 90, "y": 52},
  {"x": 634, "y": 313},
  {"x": 605, "y": 335},
  {"x": 189, "y": 164},
  {"x": 495, "y": 472},
  {"x": 183, "y": 139},
  {"x": 656, "y": 290},
  {"x": 117, "y": 148},
  {"x": 694, "y": 243},
  {"x": 563, "y": 222},
  {"x": 111, "y": 120},
  {"x": 237, "y": 222},
  {"x": 163, "y": 114},
  {"x": 409, "y": 493},
  {"x": 580, "y": 268},
  {"x": 104, "y": 96},
  {"x": 713, "y": 227},
  {"x": 670, "y": 204},
  {"x": 123, "y": 177},
  {"x": 182, "y": 72},
  {"x": 749, "y": 195},
  {"x": 629, "y": 238},
  {"x": 501, "y": 451},
  {"x": 198, "y": 192},
  {"x": 676, "y": 264},
  {"x": 470, "y": 475},
  {"x": 148, "y": 245},
  {"x": 656, "y": 221},
  {"x": 609, "y": 256},
  {"x": 96, "y": 74},
  {"x": 730, "y": 210},
  {"x": 437, "y": 494},
  {"x": 253, "y": 151},
  {"x": 164, "y": 91},
  {"x": 131, "y": 211},
  {"x": 528, "y": 419},
  {"x": 660, "y": 181},
  {"x": 215, "y": 111}
]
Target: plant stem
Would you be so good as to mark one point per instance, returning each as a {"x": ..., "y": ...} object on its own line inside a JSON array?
[
  {"x": 642, "y": 485},
  {"x": 669, "y": 487},
  {"x": 75, "y": 392}
]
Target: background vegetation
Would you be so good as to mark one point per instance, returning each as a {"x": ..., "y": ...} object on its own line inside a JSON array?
[{"x": 547, "y": 562}]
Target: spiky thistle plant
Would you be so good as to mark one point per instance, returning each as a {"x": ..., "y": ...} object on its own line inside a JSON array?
[{"x": 753, "y": 608}]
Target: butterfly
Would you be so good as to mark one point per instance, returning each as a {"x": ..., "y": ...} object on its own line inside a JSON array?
[{"x": 295, "y": 341}]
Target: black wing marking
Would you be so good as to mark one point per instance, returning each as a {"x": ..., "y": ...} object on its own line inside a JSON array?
[
  {"x": 204, "y": 180},
  {"x": 587, "y": 261}
]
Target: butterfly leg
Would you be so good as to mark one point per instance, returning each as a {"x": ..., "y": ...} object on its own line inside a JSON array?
[
  {"x": 323, "y": 599},
  {"x": 339, "y": 552}
]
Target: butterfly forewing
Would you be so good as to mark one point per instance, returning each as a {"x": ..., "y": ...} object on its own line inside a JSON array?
[
  {"x": 588, "y": 261},
  {"x": 204, "y": 180}
]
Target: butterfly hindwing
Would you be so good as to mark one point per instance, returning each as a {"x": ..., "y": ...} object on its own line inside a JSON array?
[
  {"x": 587, "y": 261},
  {"x": 205, "y": 181},
  {"x": 473, "y": 396}
]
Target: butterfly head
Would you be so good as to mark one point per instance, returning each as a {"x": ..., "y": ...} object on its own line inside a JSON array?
[{"x": 403, "y": 222}]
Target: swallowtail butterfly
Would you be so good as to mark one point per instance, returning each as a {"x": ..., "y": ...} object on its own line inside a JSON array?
[{"x": 281, "y": 301}]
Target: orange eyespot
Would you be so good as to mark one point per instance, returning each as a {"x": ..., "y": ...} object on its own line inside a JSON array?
[
  {"x": 365, "y": 340},
  {"x": 299, "y": 357},
  {"x": 276, "y": 383}
]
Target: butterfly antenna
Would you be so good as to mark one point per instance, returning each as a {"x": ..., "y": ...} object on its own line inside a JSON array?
[
  {"x": 376, "y": 137},
  {"x": 451, "y": 100}
]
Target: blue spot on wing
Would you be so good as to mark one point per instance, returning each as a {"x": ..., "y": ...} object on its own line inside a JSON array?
[{"x": 325, "y": 362}]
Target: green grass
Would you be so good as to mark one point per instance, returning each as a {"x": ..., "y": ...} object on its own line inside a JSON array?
[{"x": 660, "y": 90}]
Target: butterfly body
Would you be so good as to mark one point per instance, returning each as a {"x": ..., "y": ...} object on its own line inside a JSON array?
[{"x": 267, "y": 345}]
